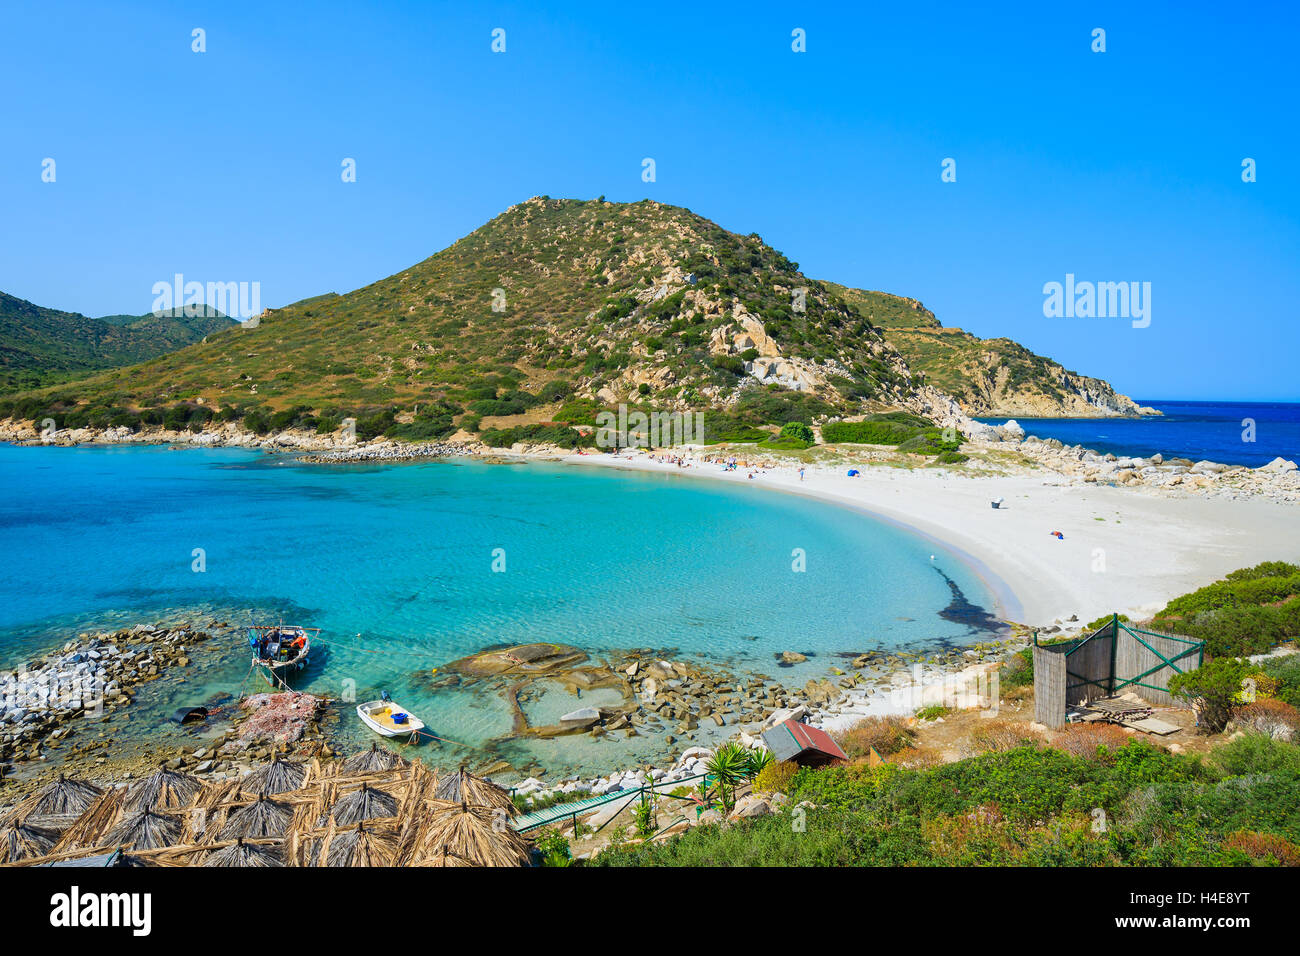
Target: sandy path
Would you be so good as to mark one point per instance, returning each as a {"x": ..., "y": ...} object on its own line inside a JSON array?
[{"x": 1149, "y": 548}]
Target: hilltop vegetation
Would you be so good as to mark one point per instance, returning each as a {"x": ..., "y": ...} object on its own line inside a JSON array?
[
  {"x": 1248, "y": 612},
  {"x": 986, "y": 376},
  {"x": 39, "y": 345},
  {"x": 551, "y": 312}
]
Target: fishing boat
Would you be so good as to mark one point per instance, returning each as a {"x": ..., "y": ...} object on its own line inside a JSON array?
[
  {"x": 388, "y": 718},
  {"x": 280, "y": 649}
]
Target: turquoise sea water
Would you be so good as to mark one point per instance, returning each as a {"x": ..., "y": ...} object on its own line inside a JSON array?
[{"x": 395, "y": 562}]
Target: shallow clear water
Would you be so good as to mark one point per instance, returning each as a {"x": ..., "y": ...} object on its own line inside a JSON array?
[{"x": 395, "y": 562}]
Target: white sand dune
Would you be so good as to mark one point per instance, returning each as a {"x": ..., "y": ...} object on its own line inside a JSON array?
[{"x": 1148, "y": 547}]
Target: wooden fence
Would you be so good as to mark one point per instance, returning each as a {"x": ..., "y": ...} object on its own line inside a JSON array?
[{"x": 1112, "y": 660}]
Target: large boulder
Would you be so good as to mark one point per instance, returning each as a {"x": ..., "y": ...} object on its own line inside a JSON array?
[
  {"x": 1011, "y": 431},
  {"x": 1278, "y": 465}
]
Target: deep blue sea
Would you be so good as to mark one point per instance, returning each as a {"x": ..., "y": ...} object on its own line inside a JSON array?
[
  {"x": 1216, "y": 431},
  {"x": 395, "y": 562}
]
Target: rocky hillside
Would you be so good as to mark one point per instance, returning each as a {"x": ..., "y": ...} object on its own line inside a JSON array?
[
  {"x": 550, "y": 312},
  {"x": 553, "y": 304},
  {"x": 39, "y": 345},
  {"x": 987, "y": 377}
]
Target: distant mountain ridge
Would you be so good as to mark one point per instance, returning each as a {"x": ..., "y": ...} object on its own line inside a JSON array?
[{"x": 38, "y": 344}]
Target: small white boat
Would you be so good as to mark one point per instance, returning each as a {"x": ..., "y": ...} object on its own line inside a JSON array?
[{"x": 389, "y": 718}]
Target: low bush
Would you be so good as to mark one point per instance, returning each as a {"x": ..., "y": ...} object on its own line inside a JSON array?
[
  {"x": 1082, "y": 740},
  {"x": 997, "y": 735},
  {"x": 1274, "y": 718},
  {"x": 886, "y": 735},
  {"x": 775, "y": 777}
]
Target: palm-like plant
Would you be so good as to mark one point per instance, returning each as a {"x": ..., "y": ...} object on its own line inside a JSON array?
[
  {"x": 727, "y": 766},
  {"x": 757, "y": 761}
]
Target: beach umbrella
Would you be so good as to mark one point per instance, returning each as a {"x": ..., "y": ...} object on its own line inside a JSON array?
[
  {"x": 163, "y": 790},
  {"x": 18, "y": 841},
  {"x": 373, "y": 760},
  {"x": 362, "y": 846},
  {"x": 463, "y": 787},
  {"x": 146, "y": 830},
  {"x": 65, "y": 796},
  {"x": 479, "y": 835},
  {"x": 263, "y": 817},
  {"x": 240, "y": 853},
  {"x": 278, "y": 776},
  {"x": 364, "y": 804},
  {"x": 444, "y": 857}
]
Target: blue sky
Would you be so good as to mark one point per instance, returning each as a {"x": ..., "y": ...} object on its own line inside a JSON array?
[{"x": 1118, "y": 166}]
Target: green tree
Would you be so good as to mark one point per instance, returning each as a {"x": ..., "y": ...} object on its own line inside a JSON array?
[
  {"x": 798, "y": 431},
  {"x": 1215, "y": 689}
]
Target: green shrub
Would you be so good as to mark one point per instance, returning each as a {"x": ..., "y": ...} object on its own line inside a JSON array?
[
  {"x": 798, "y": 431},
  {"x": 1218, "y": 686}
]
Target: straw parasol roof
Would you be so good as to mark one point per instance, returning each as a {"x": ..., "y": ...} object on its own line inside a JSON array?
[
  {"x": 362, "y": 846},
  {"x": 146, "y": 830},
  {"x": 374, "y": 759},
  {"x": 285, "y": 814},
  {"x": 478, "y": 835},
  {"x": 240, "y": 853},
  {"x": 444, "y": 857},
  {"x": 278, "y": 776},
  {"x": 163, "y": 790},
  {"x": 263, "y": 817},
  {"x": 64, "y": 796},
  {"x": 463, "y": 787},
  {"x": 18, "y": 841},
  {"x": 365, "y": 804}
]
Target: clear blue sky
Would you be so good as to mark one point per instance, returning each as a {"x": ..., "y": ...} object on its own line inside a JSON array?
[{"x": 1117, "y": 166}]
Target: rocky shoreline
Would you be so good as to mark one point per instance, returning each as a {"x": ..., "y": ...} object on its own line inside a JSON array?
[
  {"x": 61, "y": 699},
  {"x": 92, "y": 677},
  {"x": 1279, "y": 480}
]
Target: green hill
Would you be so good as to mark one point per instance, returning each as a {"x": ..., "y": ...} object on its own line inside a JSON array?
[
  {"x": 596, "y": 303},
  {"x": 986, "y": 376},
  {"x": 548, "y": 312},
  {"x": 40, "y": 345}
]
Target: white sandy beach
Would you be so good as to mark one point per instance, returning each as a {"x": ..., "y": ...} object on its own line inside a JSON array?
[{"x": 1148, "y": 547}]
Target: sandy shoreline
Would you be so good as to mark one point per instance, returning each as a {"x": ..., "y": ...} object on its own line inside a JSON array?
[{"x": 1145, "y": 549}]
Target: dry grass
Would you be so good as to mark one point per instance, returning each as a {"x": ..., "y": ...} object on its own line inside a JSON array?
[
  {"x": 886, "y": 735},
  {"x": 917, "y": 758},
  {"x": 1082, "y": 740},
  {"x": 997, "y": 734},
  {"x": 1275, "y": 718},
  {"x": 1264, "y": 847}
]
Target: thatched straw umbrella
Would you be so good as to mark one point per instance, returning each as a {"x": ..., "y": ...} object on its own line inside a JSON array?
[
  {"x": 361, "y": 846},
  {"x": 18, "y": 841},
  {"x": 240, "y": 853},
  {"x": 278, "y": 776},
  {"x": 364, "y": 804},
  {"x": 263, "y": 817},
  {"x": 463, "y": 787},
  {"x": 146, "y": 830},
  {"x": 92, "y": 826},
  {"x": 163, "y": 790},
  {"x": 479, "y": 835},
  {"x": 65, "y": 796},
  {"x": 444, "y": 857},
  {"x": 369, "y": 761}
]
